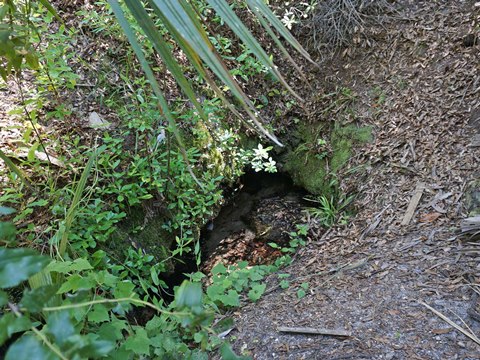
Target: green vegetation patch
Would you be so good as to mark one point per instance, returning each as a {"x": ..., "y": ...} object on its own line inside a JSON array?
[
  {"x": 315, "y": 159},
  {"x": 144, "y": 230}
]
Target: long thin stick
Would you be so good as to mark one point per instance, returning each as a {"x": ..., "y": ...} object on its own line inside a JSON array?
[
  {"x": 314, "y": 331},
  {"x": 470, "y": 335}
]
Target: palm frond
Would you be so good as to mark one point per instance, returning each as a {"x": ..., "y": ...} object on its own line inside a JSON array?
[{"x": 184, "y": 26}]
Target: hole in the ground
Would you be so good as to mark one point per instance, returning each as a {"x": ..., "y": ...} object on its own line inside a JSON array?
[
  {"x": 236, "y": 214},
  {"x": 263, "y": 208}
]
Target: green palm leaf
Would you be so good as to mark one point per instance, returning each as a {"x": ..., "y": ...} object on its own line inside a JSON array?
[
  {"x": 233, "y": 21},
  {"x": 182, "y": 23},
  {"x": 259, "y": 7},
  {"x": 163, "y": 105}
]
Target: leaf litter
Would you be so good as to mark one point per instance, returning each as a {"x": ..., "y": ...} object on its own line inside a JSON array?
[{"x": 427, "y": 85}]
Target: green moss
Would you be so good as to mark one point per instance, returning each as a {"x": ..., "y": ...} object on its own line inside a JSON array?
[
  {"x": 313, "y": 170},
  {"x": 306, "y": 169},
  {"x": 472, "y": 198},
  {"x": 310, "y": 172},
  {"x": 343, "y": 140},
  {"x": 142, "y": 231}
]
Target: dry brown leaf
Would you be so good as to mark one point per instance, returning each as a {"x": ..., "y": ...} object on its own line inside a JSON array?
[{"x": 430, "y": 217}]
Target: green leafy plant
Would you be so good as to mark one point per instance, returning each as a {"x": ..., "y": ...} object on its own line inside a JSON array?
[
  {"x": 181, "y": 22},
  {"x": 331, "y": 209},
  {"x": 88, "y": 323},
  {"x": 16, "y": 27},
  {"x": 229, "y": 283},
  {"x": 302, "y": 291}
]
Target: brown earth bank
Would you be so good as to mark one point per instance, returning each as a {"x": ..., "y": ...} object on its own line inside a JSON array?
[{"x": 418, "y": 83}]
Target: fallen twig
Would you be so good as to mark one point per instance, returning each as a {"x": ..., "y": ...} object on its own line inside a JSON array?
[
  {"x": 470, "y": 335},
  {"x": 315, "y": 331}
]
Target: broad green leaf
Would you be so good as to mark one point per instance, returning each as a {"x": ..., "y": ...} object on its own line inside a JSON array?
[
  {"x": 64, "y": 267},
  {"x": 32, "y": 60},
  {"x": 301, "y": 293},
  {"x": 242, "y": 264},
  {"x": 17, "y": 265},
  {"x": 60, "y": 326},
  {"x": 231, "y": 299},
  {"x": 11, "y": 324},
  {"x": 124, "y": 289},
  {"x": 139, "y": 343},
  {"x": 200, "y": 337},
  {"x": 256, "y": 292},
  {"x": 28, "y": 347},
  {"x": 189, "y": 294},
  {"x": 197, "y": 276},
  {"x": 75, "y": 283},
  {"x": 113, "y": 330},
  {"x": 154, "y": 276},
  {"x": 4, "y": 210},
  {"x": 35, "y": 300},
  {"x": 99, "y": 314},
  {"x": 256, "y": 275},
  {"x": 219, "y": 269},
  {"x": 7, "y": 232},
  {"x": 106, "y": 278}
]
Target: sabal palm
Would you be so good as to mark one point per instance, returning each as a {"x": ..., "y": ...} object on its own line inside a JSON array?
[{"x": 179, "y": 17}]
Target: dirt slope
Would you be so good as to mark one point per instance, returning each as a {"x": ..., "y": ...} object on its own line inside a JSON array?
[{"x": 419, "y": 86}]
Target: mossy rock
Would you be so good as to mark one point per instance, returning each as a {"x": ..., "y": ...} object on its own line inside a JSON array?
[
  {"x": 343, "y": 140},
  {"x": 307, "y": 172},
  {"x": 143, "y": 229},
  {"x": 472, "y": 198},
  {"x": 313, "y": 171}
]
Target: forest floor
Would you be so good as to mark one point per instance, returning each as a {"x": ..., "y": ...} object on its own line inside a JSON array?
[{"x": 419, "y": 87}]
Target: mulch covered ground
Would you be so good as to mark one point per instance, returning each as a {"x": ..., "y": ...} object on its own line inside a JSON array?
[{"x": 418, "y": 84}]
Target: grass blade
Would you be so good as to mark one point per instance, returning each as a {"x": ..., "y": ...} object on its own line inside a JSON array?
[
  {"x": 14, "y": 169},
  {"x": 62, "y": 234},
  {"x": 51, "y": 9}
]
